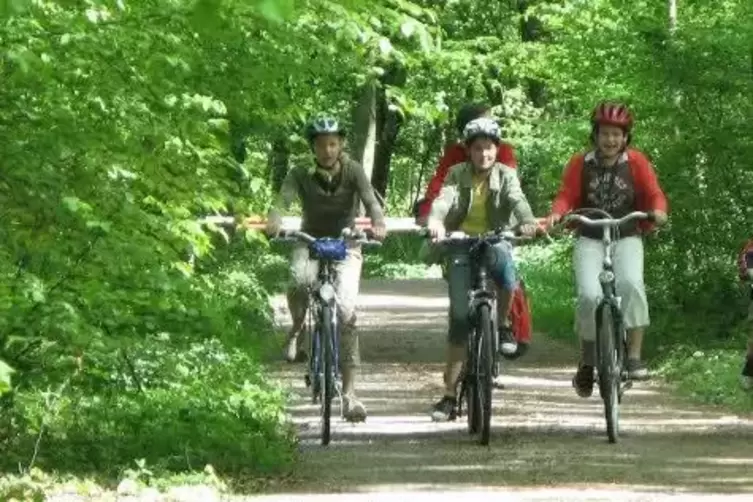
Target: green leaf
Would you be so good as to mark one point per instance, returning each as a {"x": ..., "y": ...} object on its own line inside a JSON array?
[{"x": 5, "y": 377}]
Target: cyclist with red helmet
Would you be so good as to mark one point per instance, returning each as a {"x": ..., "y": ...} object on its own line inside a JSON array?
[{"x": 616, "y": 179}]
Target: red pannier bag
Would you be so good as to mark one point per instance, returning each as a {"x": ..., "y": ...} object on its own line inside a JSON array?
[{"x": 520, "y": 315}]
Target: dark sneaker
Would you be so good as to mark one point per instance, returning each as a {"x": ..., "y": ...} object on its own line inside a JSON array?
[
  {"x": 637, "y": 370},
  {"x": 583, "y": 381},
  {"x": 507, "y": 344},
  {"x": 444, "y": 410},
  {"x": 746, "y": 378}
]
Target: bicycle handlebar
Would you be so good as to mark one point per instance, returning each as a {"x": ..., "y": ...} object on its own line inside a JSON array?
[
  {"x": 460, "y": 236},
  {"x": 355, "y": 236},
  {"x": 607, "y": 222}
]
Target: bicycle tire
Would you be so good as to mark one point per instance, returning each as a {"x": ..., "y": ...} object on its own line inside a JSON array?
[
  {"x": 473, "y": 413},
  {"x": 328, "y": 372},
  {"x": 609, "y": 370},
  {"x": 484, "y": 369},
  {"x": 312, "y": 378}
]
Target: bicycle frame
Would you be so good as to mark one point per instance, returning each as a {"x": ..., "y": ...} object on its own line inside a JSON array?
[
  {"x": 325, "y": 282},
  {"x": 480, "y": 295},
  {"x": 611, "y": 360}
]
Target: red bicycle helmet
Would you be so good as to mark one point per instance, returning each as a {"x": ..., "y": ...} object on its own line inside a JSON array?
[{"x": 614, "y": 114}]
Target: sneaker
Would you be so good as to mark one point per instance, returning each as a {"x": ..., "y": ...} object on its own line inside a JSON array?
[
  {"x": 353, "y": 409},
  {"x": 497, "y": 382},
  {"x": 507, "y": 344},
  {"x": 583, "y": 381},
  {"x": 290, "y": 351},
  {"x": 746, "y": 378},
  {"x": 522, "y": 350},
  {"x": 444, "y": 410},
  {"x": 637, "y": 370}
]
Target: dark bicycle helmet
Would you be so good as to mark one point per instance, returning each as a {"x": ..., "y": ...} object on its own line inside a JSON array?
[
  {"x": 469, "y": 112},
  {"x": 323, "y": 124}
]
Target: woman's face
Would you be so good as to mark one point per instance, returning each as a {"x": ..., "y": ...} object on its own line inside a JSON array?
[{"x": 610, "y": 141}]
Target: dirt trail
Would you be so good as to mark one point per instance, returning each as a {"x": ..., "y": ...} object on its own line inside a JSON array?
[{"x": 547, "y": 443}]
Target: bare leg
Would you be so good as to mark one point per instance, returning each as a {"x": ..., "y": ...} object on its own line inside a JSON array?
[
  {"x": 635, "y": 342},
  {"x": 636, "y": 369},
  {"x": 504, "y": 305},
  {"x": 453, "y": 368},
  {"x": 298, "y": 305}
]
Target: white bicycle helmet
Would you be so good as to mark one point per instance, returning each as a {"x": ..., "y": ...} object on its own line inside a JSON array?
[
  {"x": 482, "y": 127},
  {"x": 323, "y": 124}
]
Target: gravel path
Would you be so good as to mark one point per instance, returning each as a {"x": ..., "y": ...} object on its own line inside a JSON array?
[{"x": 547, "y": 444}]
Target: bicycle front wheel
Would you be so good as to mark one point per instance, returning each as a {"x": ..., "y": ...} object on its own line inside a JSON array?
[
  {"x": 328, "y": 371},
  {"x": 609, "y": 369},
  {"x": 484, "y": 369}
]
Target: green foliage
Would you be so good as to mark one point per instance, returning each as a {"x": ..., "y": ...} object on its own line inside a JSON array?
[
  {"x": 177, "y": 408},
  {"x": 710, "y": 376},
  {"x": 123, "y": 123}
]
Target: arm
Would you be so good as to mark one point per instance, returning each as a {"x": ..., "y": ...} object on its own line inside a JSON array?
[
  {"x": 647, "y": 183},
  {"x": 568, "y": 196},
  {"x": 366, "y": 193},
  {"x": 289, "y": 194},
  {"x": 517, "y": 199},
  {"x": 452, "y": 155},
  {"x": 447, "y": 197}
]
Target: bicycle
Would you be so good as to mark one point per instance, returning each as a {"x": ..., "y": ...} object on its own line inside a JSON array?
[
  {"x": 482, "y": 363},
  {"x": 611, "y": 335},
  {"x": 323, "y": 374}
]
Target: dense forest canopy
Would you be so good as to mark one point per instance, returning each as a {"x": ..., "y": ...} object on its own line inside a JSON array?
[{"x": 122, "y": 123}]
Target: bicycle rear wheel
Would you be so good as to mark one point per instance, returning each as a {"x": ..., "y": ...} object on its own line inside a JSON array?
[
  {"x": 327, "y": 371},
  {"x": 609, "y": 369},
  {"x": 484, "y": 368}
]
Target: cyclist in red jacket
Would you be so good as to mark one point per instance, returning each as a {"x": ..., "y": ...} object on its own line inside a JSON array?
[
  {"x": 618, "y": 179},
  {"x": 457, "y": 154}
]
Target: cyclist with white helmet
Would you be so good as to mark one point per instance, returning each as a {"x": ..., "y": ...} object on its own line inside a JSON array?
[
  {"x": 478, "y": 196},
  {"x": 329, "y": 192}
]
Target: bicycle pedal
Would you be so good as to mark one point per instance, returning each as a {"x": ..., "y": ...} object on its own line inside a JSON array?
[{"x": 307, "y": 380}]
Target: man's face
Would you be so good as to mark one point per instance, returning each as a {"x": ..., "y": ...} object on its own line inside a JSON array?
[
  {"x": 327, "y": 148},
  {"x": 483, "y": 153},
  {"x": 610, "y": 140}
]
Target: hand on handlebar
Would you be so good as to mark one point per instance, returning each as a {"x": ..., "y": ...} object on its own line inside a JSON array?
[
  {"x": 528, "y": 229},
  {"x": 657, "y": 216},
  {"x": 436, "y": 229},
  {"x": 273, "y": 227},
  {"x": 551, "y": 220},
  {"x": 379, "y": 232}
]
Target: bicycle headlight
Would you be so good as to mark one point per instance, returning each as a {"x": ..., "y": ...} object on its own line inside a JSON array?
[
  {"x": 606, "y": 276},
  {"x": 327, "y": 293}
]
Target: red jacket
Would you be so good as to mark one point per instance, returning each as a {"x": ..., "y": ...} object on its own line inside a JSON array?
[
  {"x": 648, "y": 194},
  {"x": 455, "y": 154}
]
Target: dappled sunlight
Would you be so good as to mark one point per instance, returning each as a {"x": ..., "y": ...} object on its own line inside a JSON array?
[{"x": 542, "y": 433}]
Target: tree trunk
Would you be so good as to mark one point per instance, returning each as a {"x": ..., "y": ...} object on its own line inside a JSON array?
[
  {"x": 365, "y": 130},
  {"x": 364, "y": 134},
  {"x": 388, "y": 127}
]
